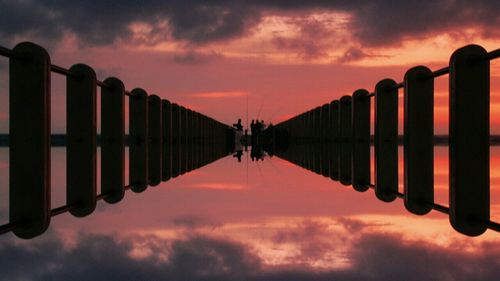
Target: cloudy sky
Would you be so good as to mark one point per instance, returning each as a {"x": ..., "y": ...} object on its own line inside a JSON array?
[
  {"x": 284, "y": 57},
  {"x": 273, "y": 221}
]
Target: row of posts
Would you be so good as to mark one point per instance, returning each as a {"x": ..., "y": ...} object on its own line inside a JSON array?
[
  {"x": 165, "y": 140},
  {"x": 334, "y": 140}
]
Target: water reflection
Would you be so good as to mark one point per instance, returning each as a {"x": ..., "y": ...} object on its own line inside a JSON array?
[
  {"x": 255, "y": 219},
  {"x": 282, "y": 215}
]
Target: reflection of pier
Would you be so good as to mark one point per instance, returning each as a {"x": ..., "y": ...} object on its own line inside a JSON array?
[
  {"x": 165, "y": 140},
  {"x": 334, "y": 140}
]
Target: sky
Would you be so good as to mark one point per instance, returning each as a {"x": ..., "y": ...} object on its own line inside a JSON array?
[{"x": 272, "y": 59}]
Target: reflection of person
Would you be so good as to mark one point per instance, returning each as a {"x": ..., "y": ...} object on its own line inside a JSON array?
[
  {"x": 238, "y": 155},
  {"x": 238, "y": 125},
  {"x": 259, "y": 127},
  {"x": 256, "y": 153},
  {"x": 246, "y": 139}
]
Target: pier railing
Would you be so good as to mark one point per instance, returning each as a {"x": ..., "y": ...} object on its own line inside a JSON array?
[
  {"x": 334, "y": 140},
  {"x": 165, "y": 140}
]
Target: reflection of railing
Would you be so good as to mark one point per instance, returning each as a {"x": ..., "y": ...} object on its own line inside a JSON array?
[
  {"x": 343, "y": 129},
  {"x": 165, "y": 140}
]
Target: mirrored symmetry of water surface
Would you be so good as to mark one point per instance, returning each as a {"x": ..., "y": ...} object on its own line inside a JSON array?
[{"x": 261, "y": 216}]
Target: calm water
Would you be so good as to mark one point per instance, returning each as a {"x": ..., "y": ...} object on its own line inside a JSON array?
[{"x": 282, "y": 215}]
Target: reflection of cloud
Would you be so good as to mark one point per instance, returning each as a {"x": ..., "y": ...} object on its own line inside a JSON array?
[
  {"x": 219, "y": 95},
  {"x": 313, "y": 244},
  {"x": 3, "y": 116},
  {"x": 372, "y": 256},
  {"x": 192, "y": 222},
  {"x": 4, "y": 165},
  {"x": 216, "y": 185}
]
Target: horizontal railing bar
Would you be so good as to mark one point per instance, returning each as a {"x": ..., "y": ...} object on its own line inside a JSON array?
[
  {"x": 62, "y": 209},
  {"x": 398, "y": 86},
  {"x": 60, "y": 70},
  {"x": 6, "y": 52},
  {"x": 493, "y": 54},
  {"x": 440, "y": 208},
  {"x": 102, "y": 84},
  {"x": 66, "y": 72},
  {"x": 8, "y": 227},
  {"x": 440, "y": 72},
  {"x": 495, "y": 226},
  {"x": 5, "y": 228}
]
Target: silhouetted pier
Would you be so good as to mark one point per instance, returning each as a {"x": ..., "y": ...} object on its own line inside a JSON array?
[
  {"x": 334, "y": 140},
  {"x": 165, "y": 140}
]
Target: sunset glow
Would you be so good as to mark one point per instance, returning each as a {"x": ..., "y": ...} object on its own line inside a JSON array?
[{"x": 252, "y": 60}]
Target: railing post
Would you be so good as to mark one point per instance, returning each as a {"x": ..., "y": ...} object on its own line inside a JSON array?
[
  {"x": 361, "y": 140},
  {"x": 155, "y": 136},
  {"x": 196, "y": 140},
  {"x": 29, "y": 143},
  {"x": 81, "y": 133},
  {"x": 189, "y": 147},
  {"x": 138, "y": 140},
  {"x": 182, "y": 139},
  {"x": 419, "y": 140},
  {"x": 325, "y": 146},
  {"x": 335, "y": 135},
  {"x": 469, "y": 140},
  {"x": 175, "y": 140},
  {"x": 113, "y": 140},
  {"x": 386, "y": 140},
  {"x": 345, "y": 162},
  {"x": 166, "y": 165},
  {"x": 316, "y": 141}
]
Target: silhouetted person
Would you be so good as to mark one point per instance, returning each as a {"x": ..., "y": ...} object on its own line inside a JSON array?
[
  {"x": 259, "y": 127},
  {"x": 238, "y": 125},
  {"x": 238, "y": 155},
  {"x": 253, "y": 129},
  {"x": 246, "y": 140}
]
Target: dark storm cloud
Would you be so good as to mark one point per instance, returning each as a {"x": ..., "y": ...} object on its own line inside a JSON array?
[
  {"x": 100, "y": 257},
  {"x": 372, "y": 23},
  {"x": 387, "y": 22},
  {"x": 311, "y": 42},
  {"x": 373, "y": 257},
  {"x": 102, "y": 22}
]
